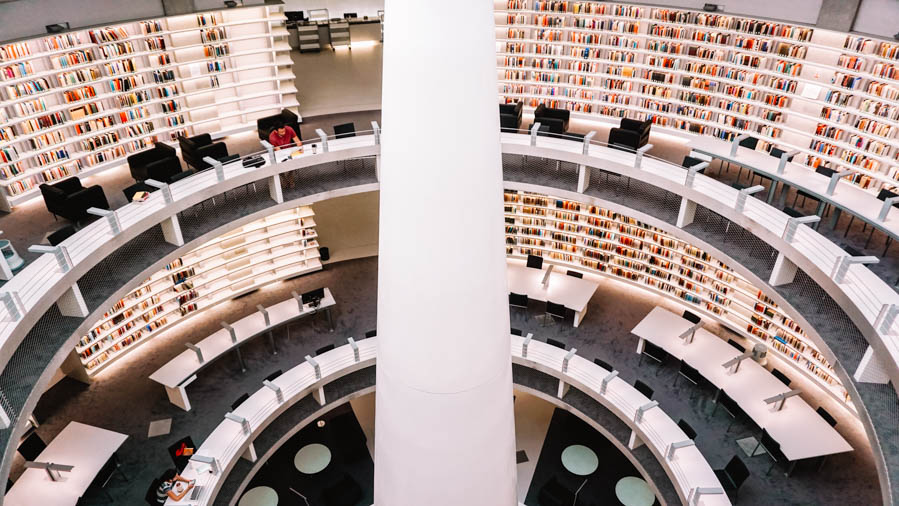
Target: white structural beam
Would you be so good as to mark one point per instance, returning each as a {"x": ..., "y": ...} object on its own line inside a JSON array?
[{"x": 444, "y": 429}]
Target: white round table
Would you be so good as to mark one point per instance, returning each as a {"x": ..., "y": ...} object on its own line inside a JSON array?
[
  {"x": 312, "y": 458},
  {"x": 259, "y": 496},
  {"x": 633, "y": 491},
  {"x": 580, "y": 460}
]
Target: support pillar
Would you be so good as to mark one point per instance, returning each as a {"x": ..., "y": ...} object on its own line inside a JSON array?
[
  {"x": 444, "y": 429},
  {"x": 784, "y": 271},
  {"x": 686, "y": 213},
  {"x": 171, "y": 231}
]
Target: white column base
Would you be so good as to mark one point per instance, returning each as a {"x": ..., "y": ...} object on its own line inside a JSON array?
[
  {"x": 171, "y": 231},
  {"x": 274, "y": 189},
  {"x": 583, "y": 178},
  {"x": 250, "y": 453},
  {"x": 72, "y": 303},
  {"x": 784, "y": 271},
  {"x": 870, "y": 369},
  {"x": 319, "y": 396},
  {"x": 563, "y": 389},
  {"x": 178, "y": 394},
  {"x": 634, "y": 442}
]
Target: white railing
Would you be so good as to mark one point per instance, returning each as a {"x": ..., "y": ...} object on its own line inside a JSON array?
[
  {"x": 230, "y": 439},
  {"x": 28, "y": 294}
]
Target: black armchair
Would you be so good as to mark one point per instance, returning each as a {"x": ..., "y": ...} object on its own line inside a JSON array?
[
  {"x": 194, "y": 149},
  {"x": 70, "y": 200},
  {"x": 159, "y": 163},
  {"x": 556, "y": 119},
  {"x": 510, "y": 117},
  {"x": 264, "y": 126},
  {"x": 640, "y": 127}
]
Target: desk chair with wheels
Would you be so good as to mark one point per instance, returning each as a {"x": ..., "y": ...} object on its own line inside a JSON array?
[
  {"x": 535, "y": 262},
  {"x": 240, "y": 400},
  {"x": 687, "y": 428},
  {"x": 520, "y": 301},
  {"x": 644, "y": 389},
  {"x": 781, "y": 376},
  {"x": 344, "y": 130},
  {"x": 177, "y": 452},
  {"x": 553, "y": 342},
  {"x": 733, "y": 475},
  {"x": 654, "y": 353},
  {"x": 602, "y": 363},
  {"x": 690, "y": 374},
  {"x": 575, "y": 274},
  {"x": 553, "y": 312},
  {"x": 31, "y": 447}
]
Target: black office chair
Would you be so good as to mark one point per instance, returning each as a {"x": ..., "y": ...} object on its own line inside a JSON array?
[
  {"x": 602, "y": 363},
  {"x": 177, "y": 451},
  {"x": 733, "y": 475},
  {"x": 105, "y": 474},
  {"x": 575, "y": 274},
  {"x": 520, "y": 301},
  {"x": 32, "y": 447},
  {"x": 324, "y": 349},
  {"x": 344, "y": 130},
  {"x": 827, "y": 416},
  {"x": 692, "y": 317},
  {"x": 736, "y": 345},
  {"x": 150, "y": 496},
  {"x": 272, "y": 376},
  {"x": 781, "y": 376},
  {"x": 535, "y": 262},
  {"x": 654, "y": 353},
  {"x": 731, "y": 407},
  {"x": 516, "y": 332},
  {"x": 772, "y": 448},
  {"x": 553, "y": 342},
  {"x": 554, "y": 311},
  {"x": 240, "y": 400},
  {"x": 688, "y": 430},
  {"x": 690, "y": 161},
  {"x": 644, "y": 389},
  {"x": 371, "y": 333},
  {"x": 690, "y": 374}
]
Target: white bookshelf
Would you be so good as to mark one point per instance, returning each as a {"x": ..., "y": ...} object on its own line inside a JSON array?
[
  {"x": 593, "y": 239},
  {"x": 80, "y": 102},
  {"x": 710, "y": 74},
  {"x": 277, "y": 247}
]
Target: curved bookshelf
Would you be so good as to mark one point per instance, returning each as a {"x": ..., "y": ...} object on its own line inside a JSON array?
[
  {"x": 832, "y": 96},
  {"x": 80, "y": 102},
  {"x": 277, "y": 247},
  {"x": 588, "y": 237}
]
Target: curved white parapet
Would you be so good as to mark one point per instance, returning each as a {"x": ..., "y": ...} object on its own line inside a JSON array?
[{"x": 232, "y": 438}]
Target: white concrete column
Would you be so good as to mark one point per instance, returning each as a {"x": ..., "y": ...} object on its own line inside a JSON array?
[{"x": 444, "y": 430}]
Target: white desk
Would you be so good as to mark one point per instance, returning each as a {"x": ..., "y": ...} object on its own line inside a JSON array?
[
  {"x": 573, "y": 293},
  {"x": 801, "y": 432},
  {"x": 179, "y": 372},
  {"x": 846, "y": 196},
  {"x": 83, "y": 446}
]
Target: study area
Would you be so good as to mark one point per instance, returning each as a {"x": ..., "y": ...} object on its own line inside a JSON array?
[{"x": 540, "y": 253}]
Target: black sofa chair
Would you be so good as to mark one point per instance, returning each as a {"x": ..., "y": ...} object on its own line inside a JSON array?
[
  {"x": 194, "y": 149},
  {"x": 510, "y": 117},
  {"x": 343, "y": 492},
  {"x": 70, "y": 200},
  {"x": 159, "y": 163},
  {"x": 555, "y": 119},
  {"x": 631, "y": 135},
  {"x": 264, "y": 126}
]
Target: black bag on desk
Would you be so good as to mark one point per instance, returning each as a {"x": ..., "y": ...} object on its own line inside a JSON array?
[{"x": 254, "y": 161}]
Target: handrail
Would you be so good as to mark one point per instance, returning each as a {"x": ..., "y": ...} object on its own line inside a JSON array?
[
  {"x": 686, "y": 467},
  {"x": 30, "y": 292}
]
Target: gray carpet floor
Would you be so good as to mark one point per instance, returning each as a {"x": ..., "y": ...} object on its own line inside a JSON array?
[{"x": 124, "y": 400}]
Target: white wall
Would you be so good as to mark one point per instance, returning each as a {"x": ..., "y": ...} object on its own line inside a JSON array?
[
  {"x": 25, "y": 18},
  {"x": 336, "y": 8},
  {"x": 799, "y": 11},
  {"x": 878, "y": 17}
]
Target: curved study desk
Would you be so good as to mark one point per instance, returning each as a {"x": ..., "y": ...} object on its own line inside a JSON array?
[{"x": 233, "y": 437}]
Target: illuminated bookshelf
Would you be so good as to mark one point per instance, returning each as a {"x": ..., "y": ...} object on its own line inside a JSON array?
[
  {"x": 82, "y": 101},
  {"x": 590, "y": 238},
  {"x": 832, "y": 96},
  {"x": 280, "y": 246}
]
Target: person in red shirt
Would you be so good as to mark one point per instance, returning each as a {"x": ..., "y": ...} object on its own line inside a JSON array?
[{"x": 283, "y": 136}]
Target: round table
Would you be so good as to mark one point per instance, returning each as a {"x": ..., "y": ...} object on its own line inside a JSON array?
[
  {"x": 580, "y": 460},
  {"x": 312, "y": 458},
  {"x": 259, "y": 496},
  {"x": 633, "y": 491}
]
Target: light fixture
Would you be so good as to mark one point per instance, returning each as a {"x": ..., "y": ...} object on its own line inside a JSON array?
[{"x": 320, "y": 423}]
